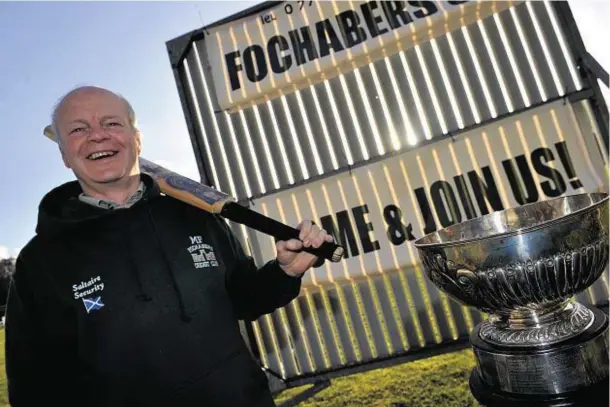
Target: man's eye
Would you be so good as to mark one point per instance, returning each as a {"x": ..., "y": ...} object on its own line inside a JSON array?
[
  {"x": 114, "y": 124},
  {"x": 77, "y": 130}
]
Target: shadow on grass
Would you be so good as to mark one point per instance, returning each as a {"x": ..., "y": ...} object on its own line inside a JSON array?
[{"x": 439, "y": 381}]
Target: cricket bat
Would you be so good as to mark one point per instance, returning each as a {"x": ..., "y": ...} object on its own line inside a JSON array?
[{"x": 212, "y": 200}]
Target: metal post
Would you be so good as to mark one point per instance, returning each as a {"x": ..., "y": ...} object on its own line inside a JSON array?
[
  {"x": 177, "y": 50},
  {"x": 578, "y": 49}
]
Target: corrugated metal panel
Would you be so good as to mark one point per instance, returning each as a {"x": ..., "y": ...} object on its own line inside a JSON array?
[
  {"x": 380, "y": 303},
  {"x": 509, "y": 62}
]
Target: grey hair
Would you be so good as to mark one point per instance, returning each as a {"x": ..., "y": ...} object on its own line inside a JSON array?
[{"x": 131, "y": 114}]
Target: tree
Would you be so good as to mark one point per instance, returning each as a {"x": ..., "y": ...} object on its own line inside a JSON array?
[{"x": 7, "y": 269}]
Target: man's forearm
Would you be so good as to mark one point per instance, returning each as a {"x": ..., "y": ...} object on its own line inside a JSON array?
[{"x": 260, "y": 292}]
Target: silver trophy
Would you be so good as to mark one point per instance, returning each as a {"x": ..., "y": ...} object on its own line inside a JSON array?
[{"x": 522, "y": 267}]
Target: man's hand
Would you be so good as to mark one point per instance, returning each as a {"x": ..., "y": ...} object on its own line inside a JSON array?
[{"x": 295, "y": 262}]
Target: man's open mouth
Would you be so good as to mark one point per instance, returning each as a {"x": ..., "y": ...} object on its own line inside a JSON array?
[{"x": 101, "y": 154}]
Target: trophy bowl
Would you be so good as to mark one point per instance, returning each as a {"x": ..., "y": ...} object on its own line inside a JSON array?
[{"x": 522, "y": 266}]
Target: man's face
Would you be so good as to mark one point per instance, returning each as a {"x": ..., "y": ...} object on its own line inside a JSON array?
[{"x": 97, "y": 140}]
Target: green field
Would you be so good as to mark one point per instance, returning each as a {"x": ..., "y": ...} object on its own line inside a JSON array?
[
  {"x": 440, "y": 381},
  {"x": 3, "y": 392}
]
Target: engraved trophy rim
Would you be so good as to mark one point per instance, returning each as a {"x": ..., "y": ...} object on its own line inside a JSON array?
[{"x": 450, "y": 234}]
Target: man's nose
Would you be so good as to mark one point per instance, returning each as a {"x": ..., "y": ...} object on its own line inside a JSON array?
[{"x": 98, "y": 133}]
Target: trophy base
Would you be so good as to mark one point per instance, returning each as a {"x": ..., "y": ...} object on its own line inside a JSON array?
[
  {"x": 591, "y": 396},
  {"x": 573, "y": 372}
]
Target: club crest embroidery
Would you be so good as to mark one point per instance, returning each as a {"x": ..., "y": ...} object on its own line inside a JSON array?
[
  {"x": 88, "y": 291},
  {"x": 203, "y": 254}
]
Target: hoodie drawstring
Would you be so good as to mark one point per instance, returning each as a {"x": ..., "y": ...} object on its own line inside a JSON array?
[{"x": 183, "y": 314}]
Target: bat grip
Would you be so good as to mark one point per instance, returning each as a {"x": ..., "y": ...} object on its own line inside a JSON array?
[{"x": 240, "y": 214}]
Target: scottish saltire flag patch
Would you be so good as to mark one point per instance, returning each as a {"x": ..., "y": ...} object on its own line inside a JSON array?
[{"x": 93, "y": 304}]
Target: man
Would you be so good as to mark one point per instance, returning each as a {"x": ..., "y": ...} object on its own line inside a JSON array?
[{"x": 128, "y": 297}]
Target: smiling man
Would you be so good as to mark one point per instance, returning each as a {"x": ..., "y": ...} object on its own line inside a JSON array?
[
  {"x": 100, "y": 142},
  {"x": 128, "y": 297}
]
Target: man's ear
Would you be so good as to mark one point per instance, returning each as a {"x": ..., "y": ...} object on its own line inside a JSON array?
[
  {"x": 63, "y": 156},
  {"x": 138, "y": 142}
]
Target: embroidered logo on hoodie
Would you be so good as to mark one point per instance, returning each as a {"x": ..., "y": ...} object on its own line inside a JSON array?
[
  {"x": 203, "y": 254},
  {"x": 85, "y": 289},
  {"x": 93, "y": 304}
]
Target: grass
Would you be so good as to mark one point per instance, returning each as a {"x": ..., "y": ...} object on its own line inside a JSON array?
[
  {"x": 439, "y": 381},
  {"x": 3, "y": 391}
]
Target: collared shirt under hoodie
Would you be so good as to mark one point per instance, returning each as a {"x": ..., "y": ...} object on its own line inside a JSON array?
[
  {"x": 136, "y": 307},
  {"x": 110, "y": 204}
]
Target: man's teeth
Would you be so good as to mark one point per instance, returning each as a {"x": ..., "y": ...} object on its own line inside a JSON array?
[{"x": 101, "y": 154}]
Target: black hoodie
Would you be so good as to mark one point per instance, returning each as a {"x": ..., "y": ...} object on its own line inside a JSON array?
[{"x": 136, "y": 307}]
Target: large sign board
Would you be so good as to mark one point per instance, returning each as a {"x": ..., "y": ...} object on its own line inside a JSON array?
[
  {"x": 298, "y": 43},
  {"x": 385, "y": 121}
]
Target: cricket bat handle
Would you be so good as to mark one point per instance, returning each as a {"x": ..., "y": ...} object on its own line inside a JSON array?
[{"x": 328, "y": 250}]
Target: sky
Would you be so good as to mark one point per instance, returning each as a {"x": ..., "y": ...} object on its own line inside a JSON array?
[{"x": 48, "y": 48}]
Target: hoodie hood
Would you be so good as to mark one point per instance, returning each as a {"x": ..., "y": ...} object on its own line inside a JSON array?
[{"x": 60, "y": 209}]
